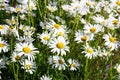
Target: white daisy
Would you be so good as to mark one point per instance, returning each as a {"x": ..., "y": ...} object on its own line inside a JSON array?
[
  {"x": 24, "y": 39},
  {"x": 117, "y": 67},
  {"x": 23, "y": 1},
  {"x": 26, "y": 49},
  {"x": 4, "y": 29},
  {"x": 44, "y": 77},
  {"x": 4, "y": 46},
  {"x": 52, "y": 7},
  {"x": 92, "y": 29},
  {"x": 99, "y": 19},
  {"x": 11, "y": 21},
  {"x": 80, "y": 36},
  {"x": 90, "y": 52},
  {"x": 59, "y": 62},
  {"x": 13, "y": 31},
  {"x": 111, "y": 42},
  {"x": 53, "y": 26},
  {"x": 59, "y": 45},
  {"x": 16, "y": 57},
  {"x": 45, "y": 37},
  {"x": 112, "y": 22},
  {"x": 29, "y": 66},
  {"x": 73, "y": 64}
]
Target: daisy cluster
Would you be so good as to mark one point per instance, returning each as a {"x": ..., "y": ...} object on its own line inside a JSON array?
[
  {"x": 23, "y": 51},
  {"x": 58, "y": 35}
]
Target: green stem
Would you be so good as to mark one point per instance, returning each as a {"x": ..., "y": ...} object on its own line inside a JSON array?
[{"x": 86, "y": 70}]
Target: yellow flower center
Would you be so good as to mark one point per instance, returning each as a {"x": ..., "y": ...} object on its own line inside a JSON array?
[
  {"x": 2, "y": 45},
  {"x": 17, "y": 57},
  {"x": 115, "y": 21},
  {"x": 26, "y": 50},
  {"x": 93, "y": 29},
  {"x": 2, "y": 6},
  {"x": 57, "y": 26},
  {"x": 11, "y": 27},
  {"x": 60, "y": 45},
  {"x": 2, "y": 27},
  {"x": 89, "y": 50},
  {"x": 88, "y": 3},
  {"x": 118, "y": 3},
  {"x": 28, "y": 66},
  {"x": 46, "y": 38},
  {"x": 18, "y": 9},
  {"x": 11, "y": 21},
  {"x": 60, "y": 61},
  {"x": 72, "y": 65},
  {"x": 60, "y": 34},
  {"x": 112, "y": 39},
  {"x": 83, "y": 38},
  {"x": 103, "y": 22}
]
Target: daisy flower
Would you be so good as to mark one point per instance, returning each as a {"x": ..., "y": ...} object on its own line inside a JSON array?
[
  {"x": 103, "y": 52},
  {"x": 44, "y": 77},
  {"x": 115, "y": 3},
  {"x": 90, "y": 52},
  {"x": 80, "y": 36},
  {"x": 53, "y": 26},
  {"x": 92, "y": 29},
  {"x": 59, "y": 45},
  {"x": 29, "y": 66},
  {"x": 73, "y": 64},
  {"x": 52, "y": 7},
  {"x": 111, "y": 42},
  {"x": 3, "y": 46},
  {"x": 112, "y": 22},
  {"x": 45, "y": 37},
  {"x": 117, "y": 67},
  {"x": 13, "y": 31},
  {"x": 22, "y": 1},
  {"x": 4, "y": 29},
  {"x": 99, "y": 19},
  {"x": 59, "y": 62},
  {"x": 11, "y": 21},
  {"x": 16, "y": 57},
  {"x": 24, "y": 39},
  {"x": 26, "y": 49}
]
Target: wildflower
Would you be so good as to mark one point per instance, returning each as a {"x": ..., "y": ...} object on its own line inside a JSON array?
[
  {"x": 59, "y": 45},
  {"x": 24, "y": 39},
  {"x": 103, "y": 52},
  {"x": 45, "y": 37},
  {"x": 11, "y": 21},
  {"x": 80, "y": 36},
  {"x": 16, "y": 57},
  {"x": 110, "y": 41},
  {"x": 53, "y": 26},
  {"x": 92, "y": 29},
  {"x": 4, "y": 29},
  {"x": 52, "y": 7},
  {"x": 3, "y": 46},
  {"x": 90, "y": 52},
  {"x": 112, "y": 22},
  {"x": 26, "y": 49},
  {"x": 59, "y": 62},
  {"x": 73, "y": 64},
  {"x": 44, "y": 77},
  {"x": 4, "y": 62},
  {"x": 29, "y": 66},
  {"x": 117, "y": 67},
  {"x": 24, "y": 2}
]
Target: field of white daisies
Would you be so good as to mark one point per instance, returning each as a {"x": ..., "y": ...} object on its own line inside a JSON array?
[{"x": 59, "y": 39}]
